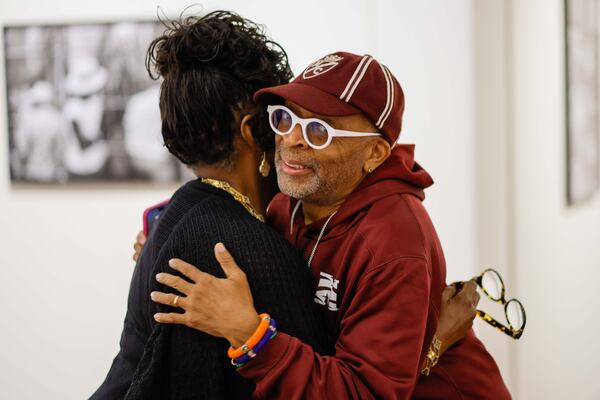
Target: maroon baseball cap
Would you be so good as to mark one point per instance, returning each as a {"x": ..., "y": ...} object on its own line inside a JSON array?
[{"x": 341, "y": 84}]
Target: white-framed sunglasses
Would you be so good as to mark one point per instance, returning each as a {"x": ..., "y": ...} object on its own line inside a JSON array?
[{"x": 317, "y": 133}]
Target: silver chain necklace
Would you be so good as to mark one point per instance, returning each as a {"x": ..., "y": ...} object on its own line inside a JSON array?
[{"x": 314, "y": 250}]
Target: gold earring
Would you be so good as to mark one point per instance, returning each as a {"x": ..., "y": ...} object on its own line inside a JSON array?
[
  {"x": 264, "y": 167},
  {"x": 369, "y": 170}
]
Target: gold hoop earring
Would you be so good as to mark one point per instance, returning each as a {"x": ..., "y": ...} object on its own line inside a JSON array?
[{"x": 264, "y": 168}]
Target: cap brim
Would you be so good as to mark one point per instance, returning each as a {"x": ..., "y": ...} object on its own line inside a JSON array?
[{"x": 308, "y": 97}]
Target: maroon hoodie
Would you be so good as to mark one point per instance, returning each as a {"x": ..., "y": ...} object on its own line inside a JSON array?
[{"x": 379, "y": 272}]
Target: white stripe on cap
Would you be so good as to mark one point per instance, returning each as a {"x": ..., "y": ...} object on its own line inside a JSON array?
[
  {"x": 357, "y": 81},
  {"x": 389, "y": 75},
  {"x": 356, "y": 71},
  {"x": 388, "y": 87}
]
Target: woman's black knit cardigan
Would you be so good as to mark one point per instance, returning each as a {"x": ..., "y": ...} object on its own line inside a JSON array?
[{"x": 176, "y": 362}]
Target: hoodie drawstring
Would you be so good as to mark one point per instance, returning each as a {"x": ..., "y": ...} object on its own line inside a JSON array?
[{"x": 314, "y": 250}]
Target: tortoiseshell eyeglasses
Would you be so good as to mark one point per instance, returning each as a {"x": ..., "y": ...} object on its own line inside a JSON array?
[{"x": 492, "y": 285}]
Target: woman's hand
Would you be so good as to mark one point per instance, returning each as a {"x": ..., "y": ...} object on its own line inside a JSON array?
[
  {"x": 457, "y": 313},
  {"x": 219, "y": 307},
  {"x": 140, "y": 241}
]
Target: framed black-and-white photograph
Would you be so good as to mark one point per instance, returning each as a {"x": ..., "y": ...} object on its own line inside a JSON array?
[
  {"x": 81, "y": 106},
  {"x": 583, "y": 107}
]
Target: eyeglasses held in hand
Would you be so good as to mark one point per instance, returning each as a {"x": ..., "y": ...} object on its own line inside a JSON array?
[
  {"x": 318, "y": 134},
  {"x": 492, "y": 285}
]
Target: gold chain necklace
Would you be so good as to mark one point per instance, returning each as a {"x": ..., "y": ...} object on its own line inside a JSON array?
[{"x": 240, "y": 198}]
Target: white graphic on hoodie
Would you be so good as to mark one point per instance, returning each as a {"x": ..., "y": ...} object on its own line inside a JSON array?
[{"x": 325, "y": 294}]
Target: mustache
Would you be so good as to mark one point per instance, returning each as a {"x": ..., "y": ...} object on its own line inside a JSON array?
[{"x": 296, "y": 155}]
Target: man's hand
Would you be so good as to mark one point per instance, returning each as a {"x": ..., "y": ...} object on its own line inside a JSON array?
[
  {"x": 219, "y": 307},
  {"x": 457, "y": 313},
  {"x": 140, "y": 241}
]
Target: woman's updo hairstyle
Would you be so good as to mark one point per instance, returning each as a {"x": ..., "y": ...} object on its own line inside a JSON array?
[{"x": 211, "y": 66}]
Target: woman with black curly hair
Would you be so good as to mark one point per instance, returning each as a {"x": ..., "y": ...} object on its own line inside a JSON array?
[{"x": 211, "y": 66}]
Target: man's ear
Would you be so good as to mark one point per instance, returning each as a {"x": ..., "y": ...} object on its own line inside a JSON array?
[
  {"x": 379, "y": 151},
  {"x": 246, "y": 132}
]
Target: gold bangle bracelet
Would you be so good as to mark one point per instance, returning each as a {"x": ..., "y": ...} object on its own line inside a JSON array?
[{"x": 432, "y": 356}]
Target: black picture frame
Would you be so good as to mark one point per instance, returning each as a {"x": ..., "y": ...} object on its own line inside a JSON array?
[{"x": 83, "y": 88}]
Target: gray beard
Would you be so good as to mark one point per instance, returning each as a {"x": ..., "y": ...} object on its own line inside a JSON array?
[
  {"x": 301, "y": 191},
  {"x": 305, "y": 188},
  {"x": 323, "y": 186}
]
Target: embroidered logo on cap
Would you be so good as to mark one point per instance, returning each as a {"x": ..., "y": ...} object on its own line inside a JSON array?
[{"x": 321, "y": 66}]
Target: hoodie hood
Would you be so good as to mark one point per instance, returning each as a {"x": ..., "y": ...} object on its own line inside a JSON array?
[
  {"x": 403, "y": 172},
  {"x": 399, "y": 174}
]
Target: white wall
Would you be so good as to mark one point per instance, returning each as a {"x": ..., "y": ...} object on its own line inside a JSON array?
[
  {"x": 65, "y": 252},
  {"x": 551, "y": 251},
  {"x": 494, "y": 191},
  {"x": 557, "y": 249}
]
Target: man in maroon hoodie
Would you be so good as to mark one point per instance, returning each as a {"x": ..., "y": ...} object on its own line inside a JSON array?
[{"x": 352, "y": 200}]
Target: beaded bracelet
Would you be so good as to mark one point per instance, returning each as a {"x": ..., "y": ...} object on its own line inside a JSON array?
[
  {"x": 243, "y": 362},
  {"x": 270, "y": 334},
  {"x": 253, "y": 340}
]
